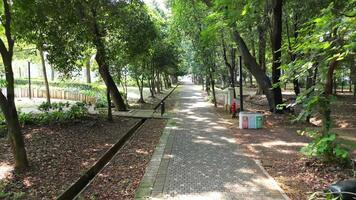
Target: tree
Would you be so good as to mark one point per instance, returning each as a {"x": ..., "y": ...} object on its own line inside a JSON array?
[
  {"x": 233, "y": 13},
  {"x": 324, "y": 43},
  {"x": 276, "y": 42},
  {"x": 7, "y": 103},
  {"x": 353, "y": 75},
  {"x": 101, "y": 25},
  {"x": 44, "y": 71},
  {"x": 23, "y": 32}
]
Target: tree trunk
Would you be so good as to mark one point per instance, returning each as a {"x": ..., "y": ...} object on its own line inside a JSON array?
[
  {"x": 104, "y": 67},
  {"x": 212, "y": 82},
  {"x": 140, "y": 88},
  {"x": 261, "y": 53},
  {"x": 353, "y": 74},
  {"x": 256, "y": 70},
  {"x": 109, "y": 104},
  {"x": 7, "y": 103},
  {"x": 15, "y": 137},
  {"x": 152, "y": 77},
  {"x": 158, "y": 86},
  {"x": 48, "y": 94},
  {"x": 10, "y": 113},
  {"x": 326, "y": 110},
  {"x": 151, "y": 88},
  {"x": 293, "y": 56},
  {"x": 87, "y": 67},
  {"x": 230, "y": 66},
  {"x": 207, "y": 84},
  {"x": 253, "y": 49},
  {"x": 276, "y": 41}
]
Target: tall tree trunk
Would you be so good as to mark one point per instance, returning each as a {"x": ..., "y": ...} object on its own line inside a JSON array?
[
  {"x": 109, "y": 104},
  {"x": 212, "y": 82},
  {"x": 48, "y": 94},
  {"x": 160, "y": 81},
  {"x": 256, "y": 70},
  {"x": 140, "y": 88},
  {"x": 276, "y": 41},
  {"x": 261, "y": 53},
  {"x": 326, "y": 110},
  {"x": 7, "y": 103},
  {"x": 207, "y": 84},
  {"x": 293, "y": 56},
  {"x": 158, "y": 84},
  {"x": 15, "y": 136},
  {"x": 353, "y": 74},
  {"x": 87, "y": 67},
  {"x": 253, "y": 49},
  {"x": 230, "y": 66},
  {"x": 151, "y": 89},
  {"x": 311, "y": 80},
  {"x": 152, "y": 81},
  {"x": 104, "y": 67}
]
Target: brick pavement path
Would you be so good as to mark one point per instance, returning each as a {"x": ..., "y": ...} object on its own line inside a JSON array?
[{"x": 199, "y": 159}]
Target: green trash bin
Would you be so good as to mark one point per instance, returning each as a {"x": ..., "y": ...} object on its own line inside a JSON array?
[{"x": 259, "y": 121}]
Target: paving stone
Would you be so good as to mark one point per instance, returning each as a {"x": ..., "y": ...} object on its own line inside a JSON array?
[{"x": 200, "y": 159}]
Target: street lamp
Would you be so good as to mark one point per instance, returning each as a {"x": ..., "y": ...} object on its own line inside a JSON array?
[{"x": 241, "y": 89}]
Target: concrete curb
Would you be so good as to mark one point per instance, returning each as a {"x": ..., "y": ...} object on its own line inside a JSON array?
[
  {"x": 258, "y": 162},
  {"x": 152, "y": 179},
  {"x": 149, "y": 179}
]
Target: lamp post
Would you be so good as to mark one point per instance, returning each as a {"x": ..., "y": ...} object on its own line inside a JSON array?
[
  {"x": 29, "y": 80},
  {"x": 241, "y": 89}
]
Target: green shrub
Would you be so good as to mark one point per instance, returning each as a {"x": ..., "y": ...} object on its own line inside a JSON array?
[
  {"x": 325, "y": 147},
  {"x": 50, "y": 115},
  {"x": 27, "y": 119},
  {"x": 57, "y": 114},
  {"x": 101, "y": 102},
  {"x": 3, "y": 193},
  {"x": 45, "y": 106}
]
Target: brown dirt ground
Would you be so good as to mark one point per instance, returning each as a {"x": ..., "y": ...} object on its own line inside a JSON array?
[
  {"x": 120, "y": 179},
  {"x": 58, "y": 155},
  {"x": 278, "y": 145}
]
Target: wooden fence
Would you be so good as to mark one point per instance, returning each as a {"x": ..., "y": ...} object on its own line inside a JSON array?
[{"x": 55, "y": 94}]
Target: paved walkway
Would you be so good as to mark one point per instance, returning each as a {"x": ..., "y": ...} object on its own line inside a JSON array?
[{"x": 197, "y": 158}]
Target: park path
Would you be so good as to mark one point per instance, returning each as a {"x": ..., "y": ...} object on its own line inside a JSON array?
[{"x": 199, "y": 159}]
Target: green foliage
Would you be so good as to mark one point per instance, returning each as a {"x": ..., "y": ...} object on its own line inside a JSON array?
[
  {"x": 9, "y": 195},
  {"x": 325, "y": 147},
  {"x": 3, "y": 194},
  {"x": 56, "y": 113},
  {"x": 45, "y": 106}
]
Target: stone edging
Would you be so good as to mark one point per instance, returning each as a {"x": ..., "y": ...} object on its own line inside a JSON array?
[
  {"x": 258, "y": 162},
  {"x": 153, "y": 182}
]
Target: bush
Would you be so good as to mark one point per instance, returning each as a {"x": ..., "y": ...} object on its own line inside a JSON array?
[
  {"x": 76, "y": 111},
  {"x": 325, "y": 147},
  {"x": 57, "y": 115},
  {"x": 45, "y": 106},
  {"x": 101, "y": 102}
]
